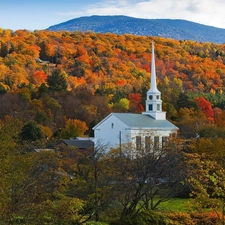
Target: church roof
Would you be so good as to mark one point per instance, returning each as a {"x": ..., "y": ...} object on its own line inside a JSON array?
[{"x": 143, "y": 121}]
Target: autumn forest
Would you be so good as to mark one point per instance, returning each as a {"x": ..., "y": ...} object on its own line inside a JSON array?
[{"x": 58, "y": 85}]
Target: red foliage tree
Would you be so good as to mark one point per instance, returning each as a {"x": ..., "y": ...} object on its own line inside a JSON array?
[
  {"x": 206, "y": 108},
  {"x": 120, "y": 82},
  {"x": 135, "y": 102}
]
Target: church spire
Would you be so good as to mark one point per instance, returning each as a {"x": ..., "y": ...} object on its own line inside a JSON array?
[
  {"x": 153, "y": 86},
  {"x": 153, "y": 102}
]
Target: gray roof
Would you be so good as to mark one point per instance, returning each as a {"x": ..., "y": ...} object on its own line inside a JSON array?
[
  {"x": 143, "y": 121},
  {"x": 81, "y": 144}
]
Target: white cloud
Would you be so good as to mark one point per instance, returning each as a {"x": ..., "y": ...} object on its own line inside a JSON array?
[{"x": 209, "y": 12}]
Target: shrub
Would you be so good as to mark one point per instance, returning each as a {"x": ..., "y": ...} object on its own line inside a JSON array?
[
  {"x": 206, "y": 218},
  {"x": 203, "y": 218},
  {"x": 96, "y": 223},
  {"x": 145, "y": 218},
  {"x": 177, "y": 218}
]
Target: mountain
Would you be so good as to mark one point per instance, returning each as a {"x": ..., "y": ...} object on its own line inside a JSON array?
[{"x": 168, "y": 28}]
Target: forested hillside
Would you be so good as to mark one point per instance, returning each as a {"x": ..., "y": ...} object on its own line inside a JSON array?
[
  {"x": 84, "y": 76},
  {"x": 56, "y": 85}
]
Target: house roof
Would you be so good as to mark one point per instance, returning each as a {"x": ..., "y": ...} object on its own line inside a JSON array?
[
  {"x": 81, "y": 144},
  {"x": 141, "y": 121}
]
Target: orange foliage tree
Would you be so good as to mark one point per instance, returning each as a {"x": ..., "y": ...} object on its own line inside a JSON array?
[{"x": 39, "y": 77}]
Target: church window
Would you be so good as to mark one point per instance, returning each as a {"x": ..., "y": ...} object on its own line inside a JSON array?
[
  {"x": 112, "y": 125},
  {"x": 148, "y": 143},
  {"x": 158, "y": 107},
  {"x": 164, "y": 140},
  {"x": 156, "y": 142},
  {"x": 138, "y": 142},
  {"x": 150, "y": 107},
  {"x": 157, "y": 97},
  {"x": 150, "y": 97}
]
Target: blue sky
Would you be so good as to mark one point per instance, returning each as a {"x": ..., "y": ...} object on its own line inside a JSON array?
[{"x": 40, "y": 14}]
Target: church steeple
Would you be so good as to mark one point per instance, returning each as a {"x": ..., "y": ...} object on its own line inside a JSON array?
[
  {"x": 153, "y": 86},
  {"x": 153, "y": 102}
]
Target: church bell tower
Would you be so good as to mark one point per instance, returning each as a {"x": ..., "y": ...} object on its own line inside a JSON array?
[{"x": 153, "y": 103}]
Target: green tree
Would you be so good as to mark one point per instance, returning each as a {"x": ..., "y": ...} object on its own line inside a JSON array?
[
  {"x": 212, "y": 131},
  {"x": 121, "y": 106},
  {"x": 43, "y": 89},
  {"x": 63, "y": 210},
  {"x": 27, "y": 182},
  {"x": 57, "y": 81},
  {"x": 207, "y": 181},
  {"x": 31, "y": 132},
  {"x": 184, "y": 101}
]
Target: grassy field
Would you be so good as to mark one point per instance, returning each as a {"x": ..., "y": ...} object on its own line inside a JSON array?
[{"x": 176, "y": 205}]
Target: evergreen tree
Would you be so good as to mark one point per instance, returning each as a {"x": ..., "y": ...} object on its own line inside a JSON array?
[{"x": 57, "y": 81}]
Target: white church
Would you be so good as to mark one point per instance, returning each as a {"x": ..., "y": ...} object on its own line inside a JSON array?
[{"x": 146, "y": 131}]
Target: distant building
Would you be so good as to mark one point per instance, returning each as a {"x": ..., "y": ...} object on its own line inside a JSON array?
[
  {"x": 83, "y": 145},
  {"x": 147, "y": 131},
  {"x": 79, "y": 144}
]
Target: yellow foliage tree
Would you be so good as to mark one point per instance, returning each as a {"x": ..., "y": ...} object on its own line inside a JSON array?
[{"x": 73, "y": 128}]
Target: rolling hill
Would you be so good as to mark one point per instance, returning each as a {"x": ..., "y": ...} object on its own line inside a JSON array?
[{"x": 168, "y": 28}]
